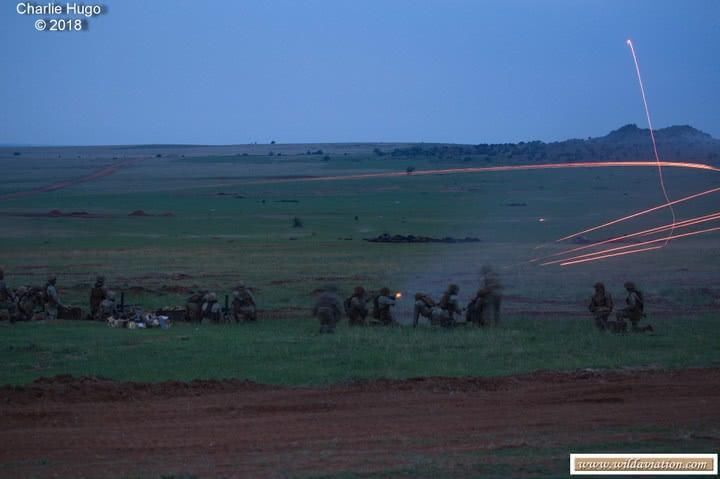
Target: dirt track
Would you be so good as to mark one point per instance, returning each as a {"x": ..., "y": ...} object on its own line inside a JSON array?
[{"x": 68, "y": 427}]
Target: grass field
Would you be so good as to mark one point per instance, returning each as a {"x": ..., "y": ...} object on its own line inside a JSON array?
[{"x": 290, "y": 352}]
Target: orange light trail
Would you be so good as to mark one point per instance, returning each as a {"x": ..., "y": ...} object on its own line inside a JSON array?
[
  {"x": 657, "y": 229},
  {"x": 640, "y": 213},
  {"x": 652, "y": 138},
  {"x": 487, "y": 169},
  {"x": 594, "y": 256}
]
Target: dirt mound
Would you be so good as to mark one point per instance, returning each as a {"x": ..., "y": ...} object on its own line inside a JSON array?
[
  {"x": 387, "y": 238},
  {"x": 142, "y": 213}
]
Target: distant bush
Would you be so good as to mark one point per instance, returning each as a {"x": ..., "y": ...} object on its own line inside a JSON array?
[
  {"x": 378, "y": 152},
  {"x": 409, "y": 169},
  {"x": 16, "y": 153}
]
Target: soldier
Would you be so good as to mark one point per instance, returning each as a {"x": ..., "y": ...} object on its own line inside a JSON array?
[
  {"x": 106, "y": 308},
  {"x": 327, "y": 310},
  {"x": 243, "y": 304},
  {"x": 356, "y": 307},
  {"x": 52, "y": 300},
  {"x": 491, "y": 294},
  {"x": 601, "y": 305},
  {"x": 450, "y": 306},
  {"x": 382, "y": 307},
  {"x": 193, "y": 306},
  {"x": 634, "y": 311},
  {"x": 98, "y": 293},
  {"x": 7, "y": 300},
  {"x": 474, "y": 313},
  {"x": 423, "y": 307},
  {"x": 211, "y": 309}
]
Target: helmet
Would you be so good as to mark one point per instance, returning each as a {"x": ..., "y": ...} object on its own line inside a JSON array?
[
  {"x": 100, "y": 279},
  {"x": 211, "y": 297},
  {"x": 385, "y": 291},
  {"x": 453, "y": 288},
  {"x": 52, "y": 278},
  {"x": 359, "y": 290},
  {"x": 599, "y": 286},
  {"x": 629, "y": 285}
]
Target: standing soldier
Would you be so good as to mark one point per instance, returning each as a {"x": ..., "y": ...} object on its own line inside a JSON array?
[
  {"x": 52, "y": 300},
  {"x": 450, "y": 306},
  {"x": 98, "y": 293},
  {"x": 601, "y": 305},
  {"x": 327, "y": 310},
  {"x": 7, "y": 300},
  {"x": 356, "y": 307},
  {"x": 423, "y": 307},
  {"x": 243, "y": 304},
  {"x": 211, "y": 309},
  {"x": 491, "y": 294},
  {"x": 634, "y": 311},
  {"x": 382, "y": 307}
]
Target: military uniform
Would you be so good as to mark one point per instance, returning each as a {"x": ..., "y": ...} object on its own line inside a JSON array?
[
  {"x": 97, "y": 295},
  {"x": 383, "y": 307},
  {"x": 634, "y": 309},
  {"x": 491, "y": 296},
  {"x": 327, "y": 310},
  {"x": 52, "y": 300},
  {"x": 106, "y": 308},
  {"x": 7, "y": 300},
  {"x": 193, "y": 307},
  {"x": 243, "y": 305},
  {"x": 211, "y": 309},
  {"x": 356, "y": 307},
  {"x": 474, "y": 313},
  {"x": 601, "y": 305},
  {"x": 423, "y": 307},
  {"x": 450, "y": 306}
]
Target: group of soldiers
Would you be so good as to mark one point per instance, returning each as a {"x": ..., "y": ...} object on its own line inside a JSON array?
[
  {"x": 601, "y": 306},
  {"x": 204, "y": 307},
  {"x": 483, "y": 308},
  {"x": 29, "y": 303},
  {"x": 362, "y": 307}
]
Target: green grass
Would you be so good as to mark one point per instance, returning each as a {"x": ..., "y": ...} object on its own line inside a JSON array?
[{"x": 290, "y": 352}]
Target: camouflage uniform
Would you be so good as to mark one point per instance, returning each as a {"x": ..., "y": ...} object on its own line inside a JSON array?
[
  {"x": 450, "y": 306},
  {"x": 634, "y": 311},
  {"x": 383, "y": 307},
  {"x": 7, "y": 300},
  {"x": 327, "y": 310},
  {"x": 423, "y": 307},
  {"x": 491, "y": 295},
  {"x": 474, "y": 313},
  {"x": 52, "y": 300},
  {"x": 601, "y": 305},
  {"x": 243, "y": 305},
  {"x": 193, "y": 307},
  {"x": 106, "y": 308},
  {"x": 211, "y": 309},
  {"x": 356, "y": 307},
  {"x": 97, "y": 295}
]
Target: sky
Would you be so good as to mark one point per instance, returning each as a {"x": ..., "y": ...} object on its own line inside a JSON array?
[{"x": 296, "y": 71}]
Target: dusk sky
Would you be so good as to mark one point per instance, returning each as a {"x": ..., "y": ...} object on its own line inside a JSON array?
[{"x": 228, "y": 72}]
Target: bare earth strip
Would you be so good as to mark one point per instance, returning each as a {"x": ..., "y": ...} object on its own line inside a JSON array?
[
  {"x": 59, "y": 185},
  {"x": 68, "y": 427}
]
